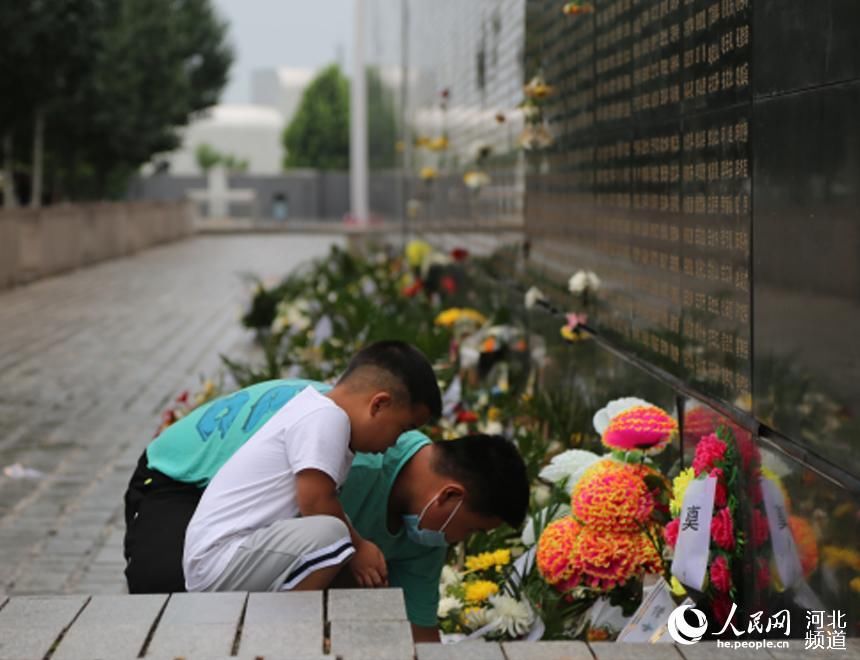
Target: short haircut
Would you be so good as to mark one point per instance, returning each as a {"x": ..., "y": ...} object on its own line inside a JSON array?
[
  {"x": 492, "y": 471},
  {"x": 397, "y": 366}
]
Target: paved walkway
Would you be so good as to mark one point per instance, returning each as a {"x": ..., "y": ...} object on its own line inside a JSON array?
[
  {"x": 353, "y": 624},
  {"x": 87, "y": 362}
]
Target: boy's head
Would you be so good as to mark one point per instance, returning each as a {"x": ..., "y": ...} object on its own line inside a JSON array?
[
  {"x": 388, "y": 388},
  {"x": 480, "y": 482}
]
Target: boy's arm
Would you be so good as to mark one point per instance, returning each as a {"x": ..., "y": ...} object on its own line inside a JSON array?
[{"x": 316, "y": 495}]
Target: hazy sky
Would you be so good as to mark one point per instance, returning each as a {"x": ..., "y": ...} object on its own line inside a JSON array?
[{"x": 271, "y": 33}]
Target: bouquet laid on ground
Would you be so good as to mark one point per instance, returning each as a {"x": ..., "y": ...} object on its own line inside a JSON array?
[
  {"x": 477, "y": 601},
  {"x": 610, "y": 536},
  {"x": 716, "y": 456}
]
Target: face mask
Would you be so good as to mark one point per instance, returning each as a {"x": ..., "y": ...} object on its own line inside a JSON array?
[{"x": 434, "y": 538}]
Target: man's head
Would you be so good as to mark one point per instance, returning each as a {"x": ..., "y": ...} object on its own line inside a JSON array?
[
  {"x": 480, "y": 482},
  {"x": 388, "y": 388}
]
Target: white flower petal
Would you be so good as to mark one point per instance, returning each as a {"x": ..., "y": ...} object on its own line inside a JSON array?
[{"x": 604, "y": 416}]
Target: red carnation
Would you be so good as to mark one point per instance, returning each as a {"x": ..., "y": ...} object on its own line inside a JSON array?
[
  {"x": 709, "y": 451},
  {"x": 413, "y": 289},
  {"x": 722, "y": 529},
  {"x": 467, "y": 416},
  {"x": 759, "y": 532},
  {"x": 459, "y": 254},
  {"x": 721, "y": 577},
  {"x": 448, "y": 284},
  {"x": 670, "y": 532},
  {"x": 721, "y": 607}
]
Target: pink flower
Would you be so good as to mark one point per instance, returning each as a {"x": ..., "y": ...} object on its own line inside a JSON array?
[
  {"x": 670, "y": 532},
  {"x": 709, "y": 451},
  {"x": 721, "y": 494},
  {"x": 721, "y": 577},
  {"x": 722, "y": 529}
]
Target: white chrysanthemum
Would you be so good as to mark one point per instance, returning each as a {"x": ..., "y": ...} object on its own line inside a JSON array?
[
  {"x": 449, "y": 577},
  {"x": 476, "y": 617},
  {"x": 541, "y": 494},
  {"x": 513, "y": 617},
  {"x": 447, "y": 605},
  {"x": 493, "y": 427},
  {"x": 533, "y": 297},
  {"x": 603, "y": 416},
  {"x": 528, "y": 536},
  {"x": 582, "y": 281},
  {"x": 292, "y": 315},
  {"x": 569, "y": 465}
]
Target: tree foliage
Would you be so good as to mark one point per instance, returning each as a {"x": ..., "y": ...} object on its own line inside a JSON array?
[
  {"x": 116, "y": 80},
  {"x": 318, "y": 135},
  {"x": 381, "y": 122}
]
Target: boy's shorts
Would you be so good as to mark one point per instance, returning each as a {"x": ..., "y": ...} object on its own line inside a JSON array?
[{"x": 280, "y": 556}]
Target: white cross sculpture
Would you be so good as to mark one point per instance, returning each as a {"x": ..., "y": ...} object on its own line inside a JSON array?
[{"x": 218, "y": 194}]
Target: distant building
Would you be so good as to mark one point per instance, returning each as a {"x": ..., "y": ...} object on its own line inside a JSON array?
[{"x": 249, "y": 132}]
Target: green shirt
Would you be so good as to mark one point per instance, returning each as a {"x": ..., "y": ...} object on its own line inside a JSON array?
[
  {"x": 412, "y": 567},
  {"x": 194, "y": 448}
]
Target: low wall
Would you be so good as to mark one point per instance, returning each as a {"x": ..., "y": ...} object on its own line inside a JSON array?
[{"x": 36, "y": 243}]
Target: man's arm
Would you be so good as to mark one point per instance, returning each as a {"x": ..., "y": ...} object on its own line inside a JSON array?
[
  {"x": 424, "y": 634},
  {"x": 316, "y": 495}
]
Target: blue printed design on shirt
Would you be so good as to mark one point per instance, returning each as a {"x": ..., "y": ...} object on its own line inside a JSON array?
[
  {"x": 272, "y": 401},
  {"x": 221, "y": 415}
]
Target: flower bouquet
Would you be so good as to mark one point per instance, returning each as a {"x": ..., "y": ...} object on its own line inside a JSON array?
[
  {"x": 715, "y": 572},
  {"x": 477, "y": 601}
]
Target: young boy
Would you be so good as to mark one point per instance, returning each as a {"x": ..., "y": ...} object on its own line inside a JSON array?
[
  {"x": 420, "y": 496},
  {"x": 270, "y": 518}
]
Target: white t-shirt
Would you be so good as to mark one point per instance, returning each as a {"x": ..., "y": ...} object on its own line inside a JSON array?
[{"x": 257, "y": 485}]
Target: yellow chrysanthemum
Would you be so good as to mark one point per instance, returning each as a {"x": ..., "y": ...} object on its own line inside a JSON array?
[
  {"x": 494, "y": 414},
  {"x": 836, "y": 556},
  {"x": 487, "y": 560},
  {"x": 416, "y": 252},
  {"x": 679, "y": 488},
  {"x": 855, "y": 585},
  {"x": 571, "y": 334},
  {"x": 454, "y": 315},
  {"x": 677, "y": 587},
  {"x": 480, "y": 590},
  {"x": 438, "y": 144},
  {"x": 428, "y": 173}
]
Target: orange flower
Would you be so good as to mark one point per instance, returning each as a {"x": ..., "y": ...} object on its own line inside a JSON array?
[
  {"x": 489, "y": 345},
  {"x": 807, "y": 544},
  {"x": 613, "y": 497},
  {"x": 577, "y": 7}
]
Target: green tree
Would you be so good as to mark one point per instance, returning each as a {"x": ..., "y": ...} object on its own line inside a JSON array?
[
  {"x": 318, "y": 135},
  {"x": 136, "y": 72},
  {"x": 207, "y": 157},
  {"x": 381, "y": 122}
]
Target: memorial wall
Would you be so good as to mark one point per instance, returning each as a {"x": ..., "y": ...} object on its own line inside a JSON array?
[{"x": 703, "y": 160}]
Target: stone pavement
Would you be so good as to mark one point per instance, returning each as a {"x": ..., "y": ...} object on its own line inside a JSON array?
[
  {"x": 355, "y": 624},
  {"x": 88, "y": 361}
]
